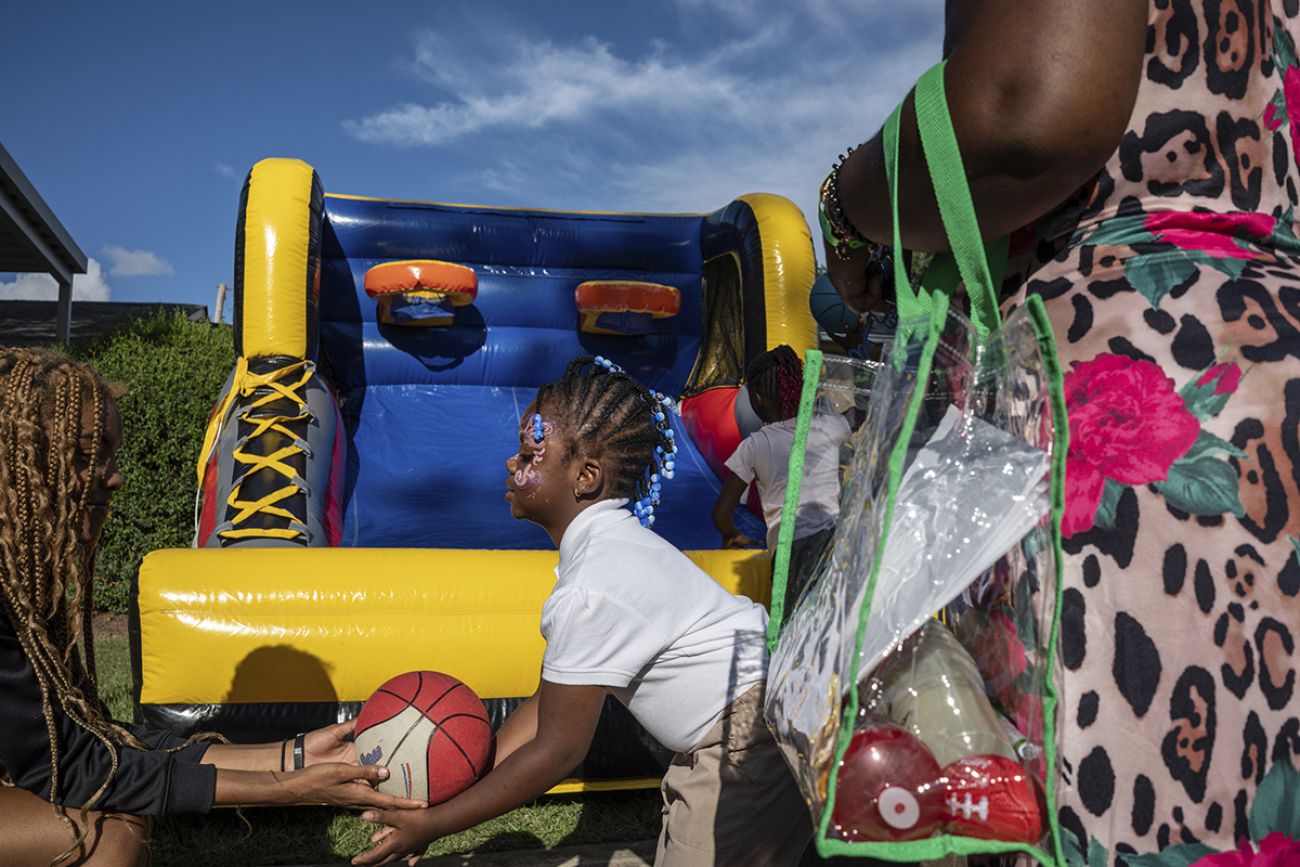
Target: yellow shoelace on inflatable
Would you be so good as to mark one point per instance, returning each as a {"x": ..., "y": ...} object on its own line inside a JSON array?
[{"x": 245, "y": 385}]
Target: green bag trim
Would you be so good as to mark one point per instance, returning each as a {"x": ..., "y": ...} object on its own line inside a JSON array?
[
  {"x": 812, "y": 370},
  {"x": 1060, "y": 448},
  {"x": 932, "y": 847},
  {"x": 947, "y": 172},
  {"x": 911, "y": 304}
]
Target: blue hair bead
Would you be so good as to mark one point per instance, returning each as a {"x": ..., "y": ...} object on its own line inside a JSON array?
[
  {"x": 669, "y": 433},
  {"x": 605, "y": 364}
]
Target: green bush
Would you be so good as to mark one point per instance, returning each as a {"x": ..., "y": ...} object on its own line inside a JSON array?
[{"x": 173, "y": 370}]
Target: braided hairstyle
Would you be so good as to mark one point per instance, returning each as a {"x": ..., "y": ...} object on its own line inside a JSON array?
[
  {"x": 776, "y": 376},
  {"x": 607, "y": 414},
  {"x": 45, "y": 566}
]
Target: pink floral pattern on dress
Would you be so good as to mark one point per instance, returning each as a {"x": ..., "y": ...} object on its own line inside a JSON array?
[
  {"x": 1291, "y": 92},
  {"x": 1210, "y": 233},
  {"x": 1225, "y": 377},
  {"x": 1275, "y": 850},
  {"x": 1127, "y": 423}
]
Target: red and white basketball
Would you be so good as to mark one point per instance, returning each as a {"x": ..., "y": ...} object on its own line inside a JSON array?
[{"x": 430, "y": 730}]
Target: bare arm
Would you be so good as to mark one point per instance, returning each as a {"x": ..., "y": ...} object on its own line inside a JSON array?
[
  {"x": 1040, "y": 92},
  {"x": 728, "y": 499},
  {"x": 519, "y": 728},
  {"x": 566, "y": 719},
  {"x": 333, "y": 783},
  {"x": 329, "y": 744}
]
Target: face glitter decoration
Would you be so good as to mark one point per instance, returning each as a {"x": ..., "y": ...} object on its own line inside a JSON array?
[{"x": 526, "y": 473}]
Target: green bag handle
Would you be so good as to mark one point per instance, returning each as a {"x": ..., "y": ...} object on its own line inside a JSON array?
[
  {"x": 911, "y": 304},
  {"x": 970, "y": 258}
]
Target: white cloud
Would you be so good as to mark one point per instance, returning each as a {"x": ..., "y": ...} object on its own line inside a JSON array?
[
  {"x": 765, "y": 106},
  {"x": 135, "y": 263},
  {"x": 541, "y": 84},
  {"x": 90, "y": 286},
  {"x": 228, "y": 172}
]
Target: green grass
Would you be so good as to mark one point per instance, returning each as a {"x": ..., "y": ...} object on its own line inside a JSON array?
[{"x": 320, "y": 835}]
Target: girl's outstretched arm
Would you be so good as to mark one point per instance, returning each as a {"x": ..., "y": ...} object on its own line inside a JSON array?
[
  {"x": 566, "y": 719},
  {"x": 728, "y": 499}
]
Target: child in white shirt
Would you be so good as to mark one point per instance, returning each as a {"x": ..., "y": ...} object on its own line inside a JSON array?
[
  {"x": 631, "y": 616},
  {"x": 775, "y": 382}
]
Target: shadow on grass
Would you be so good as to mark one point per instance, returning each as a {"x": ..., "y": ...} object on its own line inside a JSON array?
[
  {"x": 322, "y": 835},
  {"x": 220, "y": 839},
  {"x": 616, "y": 817}
]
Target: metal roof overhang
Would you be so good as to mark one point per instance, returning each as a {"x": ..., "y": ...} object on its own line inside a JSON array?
[{"x": 32, "y": 240}]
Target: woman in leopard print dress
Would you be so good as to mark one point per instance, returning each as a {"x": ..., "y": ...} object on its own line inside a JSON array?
[{"x": 1171, "y": 273}]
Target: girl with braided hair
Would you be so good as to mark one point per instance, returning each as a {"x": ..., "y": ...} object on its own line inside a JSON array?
[
  {"x": 631, "y": 616},
  {"x": 775, "y": 382},
  {"x": 75, "y": 782}
]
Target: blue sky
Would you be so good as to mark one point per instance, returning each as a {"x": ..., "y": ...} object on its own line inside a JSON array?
[{"x": 137, "y": 122}]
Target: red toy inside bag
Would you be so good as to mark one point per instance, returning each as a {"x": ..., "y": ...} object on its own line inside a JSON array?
[
  {"x": 925, "y": 701},
  {"x": 888, "y": 787},
  {"x": 993, "y": 798}
]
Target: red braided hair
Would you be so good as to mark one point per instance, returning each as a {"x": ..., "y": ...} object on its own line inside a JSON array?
[{"x": 777, "y": 377}]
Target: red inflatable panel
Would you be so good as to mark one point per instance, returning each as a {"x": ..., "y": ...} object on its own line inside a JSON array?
[{"x": 710, "y": 419}]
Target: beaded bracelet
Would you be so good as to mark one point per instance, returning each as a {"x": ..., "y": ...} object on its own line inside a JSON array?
[{"x": 837, "y": 229}]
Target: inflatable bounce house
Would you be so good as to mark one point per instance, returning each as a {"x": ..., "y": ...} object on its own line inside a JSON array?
[{"x": 351, "y": 515}]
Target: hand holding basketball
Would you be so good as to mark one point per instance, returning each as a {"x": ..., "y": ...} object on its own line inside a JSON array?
[
  {"x": 405, "y": 835},
  {"x": 343, "y": 785},
  {"x": 330, "y": 744}
]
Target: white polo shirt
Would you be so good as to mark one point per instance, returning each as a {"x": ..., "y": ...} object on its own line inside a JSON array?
[
  {"x": 765, "y": 455},
  {"x": 632, "y": 613}
]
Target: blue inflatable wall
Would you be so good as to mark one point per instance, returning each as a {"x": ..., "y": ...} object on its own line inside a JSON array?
[{"x": 432, "y": 414}]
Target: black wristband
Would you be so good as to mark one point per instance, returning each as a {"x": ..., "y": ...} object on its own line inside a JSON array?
[
  {"x": 284, "y": 746},
  {"x": 298, "y": 751}
]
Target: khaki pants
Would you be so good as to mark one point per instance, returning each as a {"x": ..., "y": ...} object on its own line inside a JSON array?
[{"x": 731, "y": 799}]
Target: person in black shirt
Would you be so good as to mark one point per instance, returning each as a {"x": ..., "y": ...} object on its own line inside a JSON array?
[{"x": 76, "y": 783}]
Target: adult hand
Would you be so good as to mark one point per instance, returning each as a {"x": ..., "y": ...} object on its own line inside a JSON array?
[
  {"x": 738, "y": 540},
  {"x": 859, "y": 284},
  {"x": 344, "y": 785},
  {"x": 405, "y": 835},
  {"x": 330, "y": 744}
]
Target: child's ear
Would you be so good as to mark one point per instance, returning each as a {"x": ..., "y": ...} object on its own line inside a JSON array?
[{"x": 590, "y": 479}]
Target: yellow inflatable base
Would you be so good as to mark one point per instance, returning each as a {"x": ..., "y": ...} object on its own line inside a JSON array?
[{"x": 331, "y": 624}]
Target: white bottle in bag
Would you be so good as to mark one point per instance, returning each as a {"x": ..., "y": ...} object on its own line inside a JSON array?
[{"x": 932, "y": 688}]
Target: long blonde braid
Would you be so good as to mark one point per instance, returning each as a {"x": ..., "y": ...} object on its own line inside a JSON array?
[{"x": 45, "y": 567}]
